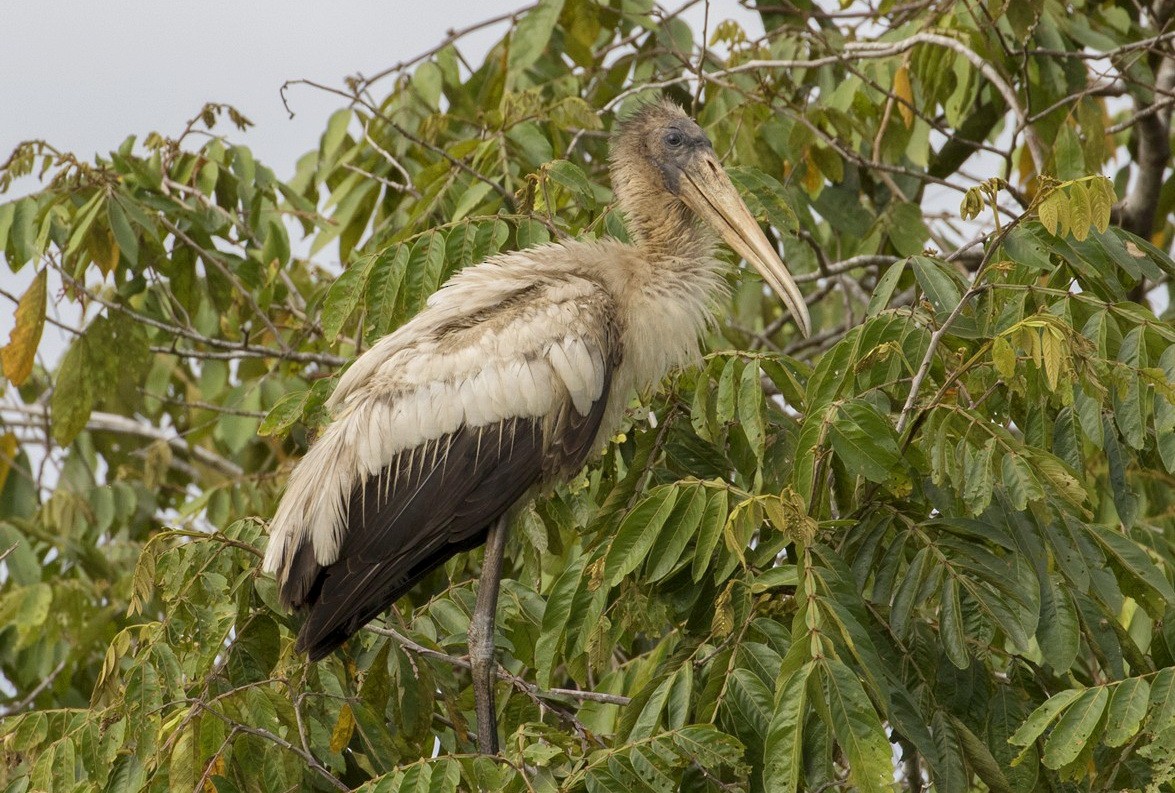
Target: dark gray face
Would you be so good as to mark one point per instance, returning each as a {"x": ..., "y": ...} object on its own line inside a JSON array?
[{"x": 673, "y": 147}]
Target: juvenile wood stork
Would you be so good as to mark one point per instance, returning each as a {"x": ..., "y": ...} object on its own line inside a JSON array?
[{"x": 516, "y": 371}]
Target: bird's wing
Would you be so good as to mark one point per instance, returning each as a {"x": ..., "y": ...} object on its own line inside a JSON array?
[{"x": 446, "y": 431}]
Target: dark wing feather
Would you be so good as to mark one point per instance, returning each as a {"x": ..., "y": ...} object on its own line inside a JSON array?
[{"x": 444, "y": 501}]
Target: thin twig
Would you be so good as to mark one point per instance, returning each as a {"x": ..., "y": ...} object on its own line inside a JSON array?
[
  {"x": 310, "y": 759},
  {"x": 502, "y": 674},
  {"x": 238, "y": 349},
  {"x": 976, "y": 287},
  {"x": 219, "y": 263},
  {"x": 112, "y": 422},
  {"x": 44, "y": 684}
]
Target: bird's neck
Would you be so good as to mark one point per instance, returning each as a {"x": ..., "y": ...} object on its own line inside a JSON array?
[{"x": 666, "y": 230}]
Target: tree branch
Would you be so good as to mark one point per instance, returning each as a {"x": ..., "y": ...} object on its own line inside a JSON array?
[
  {"x": 112, "y": 422},
  {"x": 235, "y": 349},
  {"x": 1153, "y": 128}
]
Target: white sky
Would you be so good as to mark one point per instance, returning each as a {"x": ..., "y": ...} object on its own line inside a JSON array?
[{"x": 84, "y": 75}]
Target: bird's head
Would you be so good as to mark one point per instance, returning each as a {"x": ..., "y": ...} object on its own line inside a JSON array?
[{"x": 664, "y": 167}]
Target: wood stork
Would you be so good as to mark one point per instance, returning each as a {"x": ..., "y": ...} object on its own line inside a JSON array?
[{"x": 515, "y": 372}]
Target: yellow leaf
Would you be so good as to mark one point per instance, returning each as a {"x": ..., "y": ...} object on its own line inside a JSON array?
[
  {"x": 17, "y": 356},
  {"x": 1026, "y": 165},
  {"x": 8, "y": 447},
  {"x": 1079, "y": 211},
  {"x": 905, "y": 95},
  {"x": 216, "y": 768},
  {"x": 1049, "y": 212},
  {"x": 103, "y": 249},
  {"x": 1053, "y": 354},
  {"x": 1101, "y": 201},
  {"x": 723, "y": 622},
  {"x": 341, "y": 735},
  {"x": 813, "y": 179}
]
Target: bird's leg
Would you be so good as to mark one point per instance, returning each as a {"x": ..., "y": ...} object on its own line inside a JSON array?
[{"x": 481, "y": 638}]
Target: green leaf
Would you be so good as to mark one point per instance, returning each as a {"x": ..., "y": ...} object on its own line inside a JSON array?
[
  {"x": 782, "y": 576},
  {"x": 1040, "y": 718},
  {"x": 857, "y": 728},
  {"x": 7, "y": 214},
  {"x": 24, "y": 236},
  {"x": 73, "y": 396},
  {"x": 124, "y": 234},
  {"x": 1129, "y": 411},
  {"x": 1137, "y": 573},
  {"x": 1075, "y": 727},
  {"x": 1161, "y": 708},
  {"x": 1050, "y": 209},
  {"x": 765, "y": 195},
  {"x": 750, "y": 408},
  {"x": 683, "y": 523},
  {"x": 555, "y": 617},
  {"x": 530, "y": 37},
  {"x": 954, "y": 636},
  {"x": 1128, "y": 705},
  {"x": 865, "y": 441},
  {"x": 1004, "y": 712},
  {"x": 712, "y": 523},
  {"x": 1059, "y": 630},
  {"x": 977, "y": 475},
  {"x": 907, "y": 230},
  {"x": 783, "y": 752},
  {"x": 1068, "y": 155},
  {"x": 886, "y": 286},
  {"x": 383, "y": 289},
  {"x": 1020, "y": 482},
  {"x": 1164, "y": 419},
  {"x": 344, "y": 296},
  {"x": 531, "y": 233},
  {"x": 649, "y": 718},
  {"x": 906, "y": 599},
  {"x": 284, "y": 413},
  {"x": 724, "y": 402},
  {"x": 939, "y": 287},
  {"x": 570, "y": 176},
  {"x": 1080, "y": 214},
  {"x": 1101, "y": 202},
  {"x": 638, "y": 532},
  {"x": 1053, "y": 475}
]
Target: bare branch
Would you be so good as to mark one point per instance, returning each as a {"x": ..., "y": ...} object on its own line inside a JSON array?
[
  {"x": 1154, "y": 153},
  {"x": 112, "y": 422}
]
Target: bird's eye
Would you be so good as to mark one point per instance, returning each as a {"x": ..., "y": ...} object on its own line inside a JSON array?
[{"x": 674, "y": 138}]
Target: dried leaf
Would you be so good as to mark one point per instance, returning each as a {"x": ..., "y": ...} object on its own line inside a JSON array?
[
  {"x": 905, "y": 95},
  {"x": 18, "y": 355}
]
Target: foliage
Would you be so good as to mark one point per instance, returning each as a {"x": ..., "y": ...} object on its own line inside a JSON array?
[{"x": 932, "y": 542}]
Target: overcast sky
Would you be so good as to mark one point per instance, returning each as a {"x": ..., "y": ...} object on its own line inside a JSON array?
[{"x": 84, "y": 75}]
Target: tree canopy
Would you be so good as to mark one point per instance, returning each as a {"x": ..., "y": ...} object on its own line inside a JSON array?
[{"x": 929, "y": 547}]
